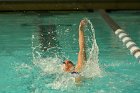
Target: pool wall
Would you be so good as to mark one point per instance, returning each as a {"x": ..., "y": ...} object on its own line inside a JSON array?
[{"x": 13, "y": 5}]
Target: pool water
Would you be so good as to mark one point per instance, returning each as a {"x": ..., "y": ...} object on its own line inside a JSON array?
[{"x": 32, "y": 42}]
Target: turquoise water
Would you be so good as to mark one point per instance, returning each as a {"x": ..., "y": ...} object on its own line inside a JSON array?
[{"x": 28, "y": 53}]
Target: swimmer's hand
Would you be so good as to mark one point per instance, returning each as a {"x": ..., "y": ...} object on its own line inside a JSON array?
[{"x": 83, "y": 23}]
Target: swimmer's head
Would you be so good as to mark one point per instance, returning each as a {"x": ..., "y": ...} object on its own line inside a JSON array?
[{"x": 68, "y": 66}]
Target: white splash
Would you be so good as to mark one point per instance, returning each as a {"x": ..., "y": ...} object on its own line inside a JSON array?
[
  {"x": 52, "y": 65},
  {"x": 91, "y": 68},
  {"x": 49, "y": 65}
]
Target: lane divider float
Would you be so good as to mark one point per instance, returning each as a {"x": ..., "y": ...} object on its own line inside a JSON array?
[{"x": 134, "y": 49}]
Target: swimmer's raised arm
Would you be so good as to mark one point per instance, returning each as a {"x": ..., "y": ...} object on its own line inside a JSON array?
[{"x": 81, "y": 54}]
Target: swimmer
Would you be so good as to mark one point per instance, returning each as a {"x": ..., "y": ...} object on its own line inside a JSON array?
[{"x": 68, "y": 66}]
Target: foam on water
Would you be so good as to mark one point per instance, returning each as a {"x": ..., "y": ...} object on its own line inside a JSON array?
[{"x": 49, "y": 65}]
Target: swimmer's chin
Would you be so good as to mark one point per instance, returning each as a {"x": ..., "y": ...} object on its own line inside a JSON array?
[{"x": 78, "y": 82}]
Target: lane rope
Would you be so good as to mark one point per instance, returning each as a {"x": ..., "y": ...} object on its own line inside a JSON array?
[
  {"x": 122, "y": 35},
  {"x": 134, "y": 49}
]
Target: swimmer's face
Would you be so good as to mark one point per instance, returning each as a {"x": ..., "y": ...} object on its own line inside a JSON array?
[{"x": 68, "y": 66}]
